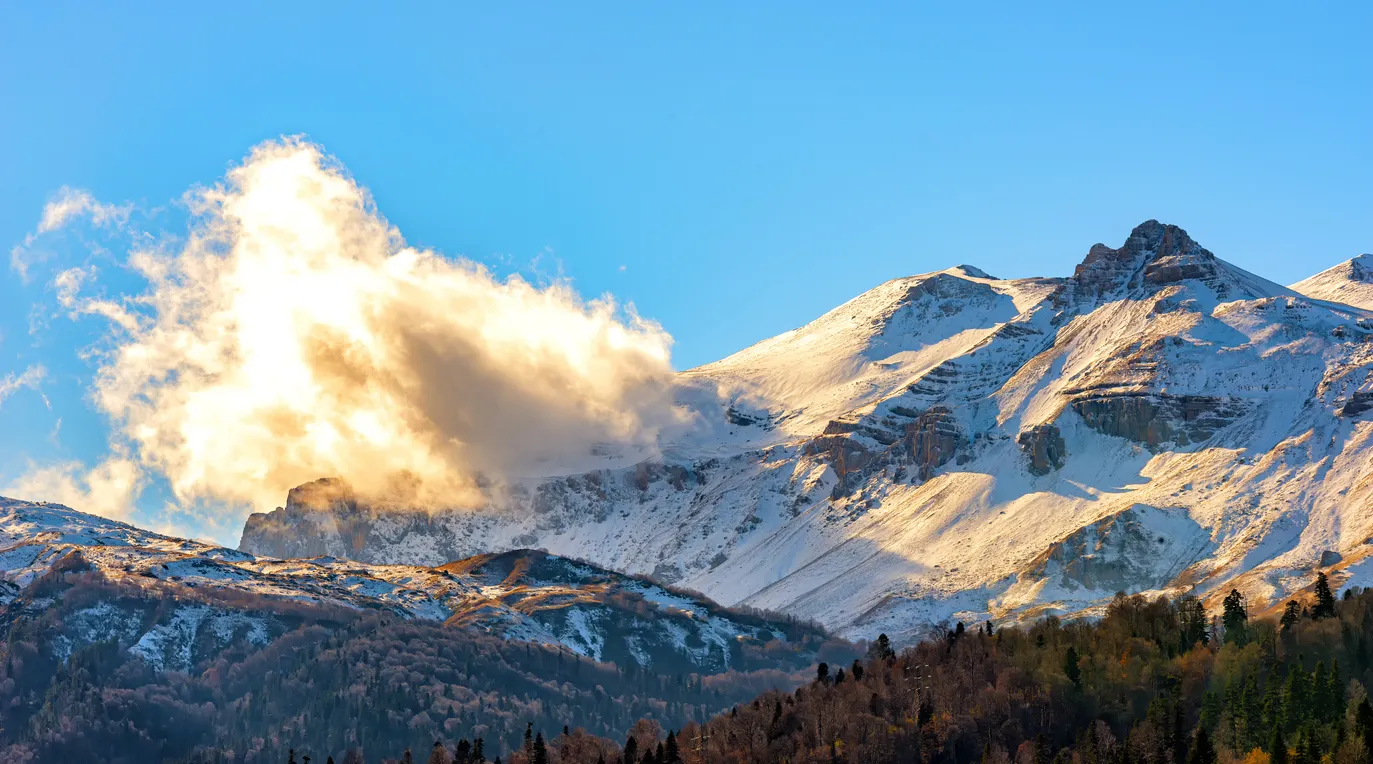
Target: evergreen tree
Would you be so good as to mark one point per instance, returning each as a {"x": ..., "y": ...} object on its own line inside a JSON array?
[
  {"x": 1290, "y": 615},
  {"x": 674, "y": 755},
  {"x": 632, "y": 749},
  {"x": 1201, "y": 752},
  {"x": 822, "y": 673},
  {"x": 1363, "y": 725},
  {"x": 290, "y": 757},
  {"x": 478, "y": 751},
  {"x": 1071, "y": 668},
  {"x": 1236, "y": 619},
  {"x": 1325, "y": 599},
  {"x": 462, "y": 753},
  {"x": 1277, "y": 748},
  {"x": 540, "y": 751}
]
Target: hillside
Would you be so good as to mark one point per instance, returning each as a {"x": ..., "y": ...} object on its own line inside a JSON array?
[
  {"x": 952, "y": 445},
  {"x": 209, "y": 598}
]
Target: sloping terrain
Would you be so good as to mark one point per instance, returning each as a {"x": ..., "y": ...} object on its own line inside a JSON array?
[
  {"x": 953, "y": 445},
  {"x": 522, "y": 595}
]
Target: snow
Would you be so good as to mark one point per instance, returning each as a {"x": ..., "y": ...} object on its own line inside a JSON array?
[{"x": 757, "y": 514}]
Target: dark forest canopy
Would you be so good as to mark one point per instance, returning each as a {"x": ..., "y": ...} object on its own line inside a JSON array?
[{"x": 1154, "y": 681}]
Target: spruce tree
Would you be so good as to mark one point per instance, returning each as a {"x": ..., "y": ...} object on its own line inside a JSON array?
[
  {"x": 1277, "y": 748},
  {"x": 1290, "y": 615},
  {"x": 1236, "y": 619},
  {"x": 540, "y": 751},
  {"x": 1071, "y": 668},
  {"x": 674, "y": 755},
  {"x": 1202, "y": 752},
  {"x": 1325, "y": 599}
]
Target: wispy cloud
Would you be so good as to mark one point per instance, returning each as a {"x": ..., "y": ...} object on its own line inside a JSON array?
[
  {"x": 109, "y": 489},
  {"x": 30, "y": 378},
  {"x": 66, "y": 206}
]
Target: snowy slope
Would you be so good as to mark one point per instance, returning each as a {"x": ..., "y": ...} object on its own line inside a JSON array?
[
  {"x": 1350, "y": 282},
  {"x": 524, "y": 595},
  {"x": 952, "y": 445}
]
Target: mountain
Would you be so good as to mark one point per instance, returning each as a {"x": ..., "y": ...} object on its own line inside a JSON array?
[
  {"x": 957, "y": 446},
  {"x": 202, "y": 599},
  {"x": 1350, "y": 282}
]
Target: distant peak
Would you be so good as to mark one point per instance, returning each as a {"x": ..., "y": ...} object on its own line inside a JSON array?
[{"x": 971, "y": 272}]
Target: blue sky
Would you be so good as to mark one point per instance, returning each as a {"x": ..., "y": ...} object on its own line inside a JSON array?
[{"x": 732, "y": 169}]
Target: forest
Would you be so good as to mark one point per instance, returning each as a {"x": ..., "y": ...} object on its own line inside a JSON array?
[{"x": 1153, "y": 681}]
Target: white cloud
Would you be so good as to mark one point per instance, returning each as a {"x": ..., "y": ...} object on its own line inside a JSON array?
[
  {"x": 68, "y": 286},
  {"x": 12, "y": 383},
  {"x": 109, "y": 489},
  {"x": 72, "y": 203},
  {"x": 67, "y": 205},
  {"x": 292, "y": 334}
]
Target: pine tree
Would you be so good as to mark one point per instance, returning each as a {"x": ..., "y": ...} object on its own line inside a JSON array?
[
  {"x": 1290, "y": 615},
  {"x": 1236, "y": 619},
  {"x": 1202, "y": 752},
  {"x": 822, "y": 673},
  {"x": 462, "y": 753},
  {"x": 632, "y": 749},
  {"x": 1325, "y": 599},
  {"x": 1277, "y": 748},
  {"x": 478, "y": 751},
  {"x": 674, "y": 755},
  {"x": 1071, "y": 668},
  {"x": 540, "y": 751},
  {"x": 291, "y": 757}
]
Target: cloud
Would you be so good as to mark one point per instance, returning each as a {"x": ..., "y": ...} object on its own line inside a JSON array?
[
  {"x": 72, "y": 203},
  {"x": 108, "y": 490},
  {"x": 292, "y": 334},
  {"x": 68, "y": 285},
  {"x": 12, "y": 383},
  {"x": 67, "y": 205}
]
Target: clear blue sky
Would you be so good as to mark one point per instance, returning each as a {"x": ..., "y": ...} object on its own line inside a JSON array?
[{"x": 751, "y": 165}]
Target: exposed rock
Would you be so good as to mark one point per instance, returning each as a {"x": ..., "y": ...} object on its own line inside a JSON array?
[
  {"x": 1135, "y": 550},
  {"x": 1358, "y": 403},
  {"x": 1044, "y": 444},
  {"x": 933, "y": 439},
  {"x": 1155, "y": 419},
  {"x": 1154, "y": 254},
  {"x": 1330, "y": 557}
]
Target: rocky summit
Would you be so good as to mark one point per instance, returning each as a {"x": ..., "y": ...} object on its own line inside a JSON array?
[{"x": 954, "y": 446}]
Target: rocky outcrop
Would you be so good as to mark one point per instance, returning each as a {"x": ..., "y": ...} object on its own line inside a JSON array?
[
  {"x": 1154, "y": 254},
  {"x": 1357, "y": 404},
  {"x": 933, "y": 439},
  {"x": 1138, "y": 549},
  {"x": 1156, "y": 419},
  {"x": 1044, "y": 446}
]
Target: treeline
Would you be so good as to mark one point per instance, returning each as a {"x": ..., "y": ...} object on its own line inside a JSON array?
[{"x": 1154, "y": 681}]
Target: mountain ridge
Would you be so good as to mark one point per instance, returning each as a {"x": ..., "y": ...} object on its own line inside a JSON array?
[{"x": 917, "y": 454}]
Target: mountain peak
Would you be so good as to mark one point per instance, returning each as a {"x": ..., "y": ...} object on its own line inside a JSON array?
[
  {"x": 1350, "y": 282},
  {"x": 1154, "y": 252}
]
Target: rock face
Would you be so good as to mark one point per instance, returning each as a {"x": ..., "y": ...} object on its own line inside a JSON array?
[
  {"x": 1154, "y": 420},
  {"x": 1357, "y": 404},
  {"x": 1044, "y": 446},
  {"x": 933, "y": 439},
  {"x": 1138, "y": 549}
]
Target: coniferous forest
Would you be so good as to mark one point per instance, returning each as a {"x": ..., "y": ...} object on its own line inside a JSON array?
[{"x": 1153, "y": 681}]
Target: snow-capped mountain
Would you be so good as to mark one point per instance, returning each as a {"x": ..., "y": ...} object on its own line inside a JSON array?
[
  {"x": 953, "y": 445},
  {"x": 196, "y": 598},
  {"x": 1350, "y": 282}
]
